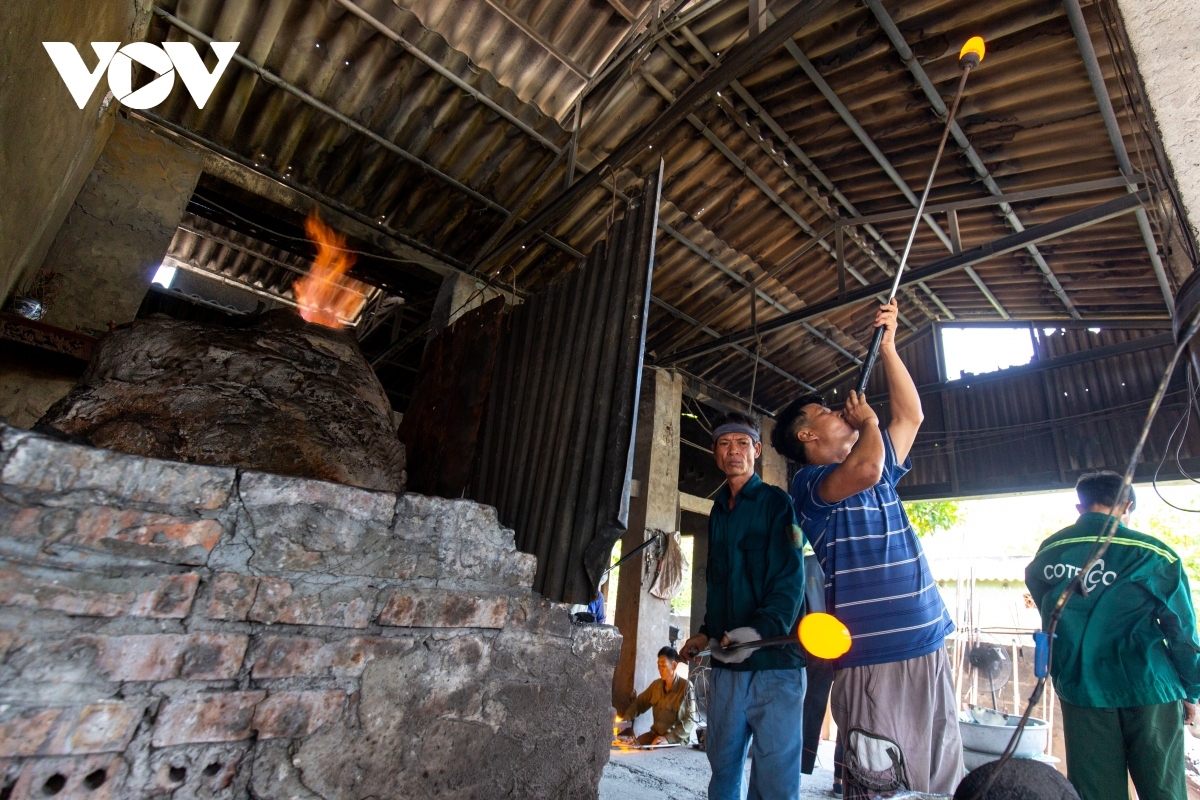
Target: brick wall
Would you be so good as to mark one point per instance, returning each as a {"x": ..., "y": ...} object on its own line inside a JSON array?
[{"x": 171, "y": 630}]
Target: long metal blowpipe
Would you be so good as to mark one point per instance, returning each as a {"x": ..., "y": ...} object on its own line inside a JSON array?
[{"x": 968, "y": 58}]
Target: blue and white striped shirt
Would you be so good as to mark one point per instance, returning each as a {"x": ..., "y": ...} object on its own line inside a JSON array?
[{"x": 877, "y": 581}]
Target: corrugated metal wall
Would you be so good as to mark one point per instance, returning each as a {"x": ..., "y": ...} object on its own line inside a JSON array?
[
  {"x": 1038, "y": 427},
  {"x": 557, "y": 444}
]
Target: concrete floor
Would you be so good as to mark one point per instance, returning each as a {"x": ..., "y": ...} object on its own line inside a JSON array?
[{"x": 681, "y": 773}]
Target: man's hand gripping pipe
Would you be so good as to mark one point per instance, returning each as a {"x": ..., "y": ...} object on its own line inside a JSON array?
[{"x": 968, "y": 60}]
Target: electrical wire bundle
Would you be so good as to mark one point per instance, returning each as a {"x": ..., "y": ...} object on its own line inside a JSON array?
[
  {"x": 1103, "y": 540},
  {"x": 1193, "y": 405}
]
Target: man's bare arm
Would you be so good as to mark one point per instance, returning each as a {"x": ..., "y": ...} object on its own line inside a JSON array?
[
  {"x": 863, "y": 468},
  {"x": 905, "y": 400}
]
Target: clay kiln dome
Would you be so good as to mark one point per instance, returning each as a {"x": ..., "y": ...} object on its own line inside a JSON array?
[{"x": 278, "y": 395}]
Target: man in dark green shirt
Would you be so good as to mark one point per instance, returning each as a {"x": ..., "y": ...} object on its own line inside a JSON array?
[
  {"x": 1126, "y": 660},
  {"x": 755, "y": 576}
]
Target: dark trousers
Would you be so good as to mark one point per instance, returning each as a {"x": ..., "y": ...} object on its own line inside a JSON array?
[
  {"x": 1103, "y": 744},
  {"x": 816, "y": 700}
]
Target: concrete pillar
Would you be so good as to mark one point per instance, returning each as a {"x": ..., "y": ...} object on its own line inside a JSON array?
[
  {"x": 774, "y": 465},
  {"x": 642, "y": 618},
  {"x": 1167, "y": 54},
  {"x": 50, "y": 144},
  {"x": 119, "y": 229}
]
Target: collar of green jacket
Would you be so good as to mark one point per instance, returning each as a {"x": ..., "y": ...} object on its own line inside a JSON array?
[
  {"x": 1131, "y": 640},
  {"x": 749, "y": 491},
  {"x": 755, "y": 572}
]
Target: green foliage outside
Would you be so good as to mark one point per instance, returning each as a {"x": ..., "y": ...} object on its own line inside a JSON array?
[
  {"x": 933, "y": 516},
  {"x": 681, "y": 603},
  {"x": 1180, "y": 530}
]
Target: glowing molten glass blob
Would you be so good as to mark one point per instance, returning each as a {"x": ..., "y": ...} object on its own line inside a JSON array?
[
  {"x": 326, "y": 296},
  {"x": 973, "y": 45},
  {"x": 824, "y": 636}
]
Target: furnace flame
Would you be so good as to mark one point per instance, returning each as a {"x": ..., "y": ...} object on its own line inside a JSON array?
[{"x": 326, "y": 296}]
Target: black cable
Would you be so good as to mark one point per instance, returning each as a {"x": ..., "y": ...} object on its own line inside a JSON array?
[
  {"x": 1103, "y": 539},
  {"x": 201, "y": 200},
  {"x": 1185, "y": 422}
]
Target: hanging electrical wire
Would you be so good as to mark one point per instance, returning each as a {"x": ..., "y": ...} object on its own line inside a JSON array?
[
  {"x": 213, "y": 205},
  {"x": 1184, "y": 420}
]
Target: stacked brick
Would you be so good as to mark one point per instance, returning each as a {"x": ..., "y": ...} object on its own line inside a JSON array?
[{"x": 173, "y": 630}]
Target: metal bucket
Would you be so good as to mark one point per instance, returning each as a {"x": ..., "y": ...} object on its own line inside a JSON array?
[{"x": 994, "y": 738}]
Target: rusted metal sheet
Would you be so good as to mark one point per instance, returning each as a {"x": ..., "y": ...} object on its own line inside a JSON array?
[
  {"x": 558, "y": 441},
  {"x": 46, "y": 337},
  {"x": 440, "y": 430}
]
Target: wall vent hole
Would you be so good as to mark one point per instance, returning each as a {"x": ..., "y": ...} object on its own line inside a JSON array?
[
  {"x": 95, "y": 779},
  {"x": 177, "y": 774},
  {"x": 54, "y": 784},
  {"x": 212, "y": 769}
]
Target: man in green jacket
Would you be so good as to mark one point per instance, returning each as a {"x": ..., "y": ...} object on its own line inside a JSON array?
[
  {"x": 1126, "y": 660},
  {"x": 755, "y": 578}
]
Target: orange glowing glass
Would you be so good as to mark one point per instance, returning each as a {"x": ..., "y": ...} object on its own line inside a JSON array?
[
  {"x": 326, "y": 295},
  {"x": 974, "y": 45},
  {"x": 824, "y": 635}
]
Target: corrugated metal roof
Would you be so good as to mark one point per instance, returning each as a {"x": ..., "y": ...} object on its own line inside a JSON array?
[
  {"x": 1029, "y": 113},
  {"x": 1039, "y": 426}
]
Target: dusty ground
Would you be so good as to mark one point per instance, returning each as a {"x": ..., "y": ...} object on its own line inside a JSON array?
[{"x": 679, "y": 773}]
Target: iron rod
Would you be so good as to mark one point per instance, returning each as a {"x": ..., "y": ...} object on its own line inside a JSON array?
[
  {"x": 939, "y": 107},
  {"x": 877, "y": 338}
]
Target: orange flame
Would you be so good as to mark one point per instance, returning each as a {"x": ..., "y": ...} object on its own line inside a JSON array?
[{"x": 325, "y": 295}]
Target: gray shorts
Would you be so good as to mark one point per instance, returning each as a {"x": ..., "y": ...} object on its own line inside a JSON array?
[{"x": 912, "y": 703}]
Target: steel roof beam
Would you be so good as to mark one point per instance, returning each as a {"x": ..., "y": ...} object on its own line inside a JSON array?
[
  {"x": 939, "y": 107},
  {"x": 804, "y": 186},
  {"x": 758, "y": 182},
  {"x": 883, "y": 161},
  {"x": 545, "y": 43},
  {"x": 437, "y": 67},
  {"x": 739, "y": 60},
  {"x": 1080, "y": 357},
  {"x": 1016, "y": 241},
  {"x": 665, "y": 306},
  {"x": 710, "y": 258},
  {"x": 1012, "y": 197},
  {"x": 622, "y": 10},
  {"x": 1096, "y": 77}
]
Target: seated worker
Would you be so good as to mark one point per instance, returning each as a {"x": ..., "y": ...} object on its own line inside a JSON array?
[
  {"x": 1126, "y": 659},
  {"x": 672, "y": 701}
]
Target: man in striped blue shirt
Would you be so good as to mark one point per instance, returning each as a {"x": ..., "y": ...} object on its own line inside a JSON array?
[{"x": 895, "y": 681}]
